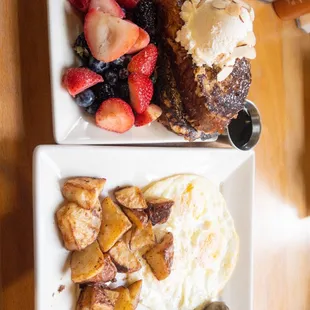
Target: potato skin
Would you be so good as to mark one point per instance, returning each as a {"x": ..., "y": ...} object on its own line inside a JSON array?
[
  {"x": 124, "y": 260},
  {"x": 137, "y": 217},
  {"x": 159, "y": 209},
  {"x": 91, "y": 265},
  {"x": 108, "y": 273},
  {"x": 96, "y": 297},
  {"x": 160, "y": 257},
  {"x": 79, "y": 227},
  {"x": 83, "y": 190},
  {"x": 131, "y": 197}
]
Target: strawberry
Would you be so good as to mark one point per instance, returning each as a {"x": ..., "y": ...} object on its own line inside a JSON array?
[
  {"x": 115, "y": 115},
  {"x": 107, "y": 6},
  {"x": 141, "y": 91},
  {"x": 141, "y": 43},
  {"x": 109, "y": 37},
  {"x": 152, "y": 113},
  {"x": 145, "y": 61},
  {"x": 128, "y": 4},
  {"x": 77, "y": 80},
  {"x": 81, "y": 5}
]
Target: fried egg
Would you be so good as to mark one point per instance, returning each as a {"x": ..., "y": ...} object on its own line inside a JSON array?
[{"x": 206, "y": 246}]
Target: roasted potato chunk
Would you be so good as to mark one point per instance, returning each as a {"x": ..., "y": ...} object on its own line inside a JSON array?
[
  {"x": 134, "y": 292},
  {"x": 159, "y": 209},
  {"x": 137, "y": 217},
  {"x": 112, "y": 295},
  {"x": 114, "y": 224},
  {"x": 83, "y": 191},
  {"x": 96, "y": 298},
  {"x": 160, "y": 257},
  {"x": 142, "y": 239},
  {"x": 124, "y": 260},
  {"x": 91, "y": 265},
  {"x": 108, "y": 273},
  {"x": 124, "y": 301},
  {"x": 131, "y": 197},
  {"x": 127, "y": 237},
  {"x": 79, "y": 227}
]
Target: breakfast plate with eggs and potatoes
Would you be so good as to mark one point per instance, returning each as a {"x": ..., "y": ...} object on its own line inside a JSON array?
[{"x": 142, "y": 228}]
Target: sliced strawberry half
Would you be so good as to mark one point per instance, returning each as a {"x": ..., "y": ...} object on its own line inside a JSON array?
[
  {"x": 115, "y": 115},
  {"x": 81, "y": 5},
  {"x": 77, "y": 80},
  {"x": 141, "y": 43},
  {"x": 107, "y": 6},
  {"x": 109, "y": 37},
  {"x": 128, "y": 4},
  {"x": 152, "y": 113},
  {"x": 141, "y": 91},
  {"x": 145, "y": 61}
]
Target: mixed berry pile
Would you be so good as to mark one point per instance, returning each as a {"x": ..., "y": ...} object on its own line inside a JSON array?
[{"x": 118, "y": 57}]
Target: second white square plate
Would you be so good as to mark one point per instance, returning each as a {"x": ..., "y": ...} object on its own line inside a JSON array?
[{"x": 233, "y": 171}]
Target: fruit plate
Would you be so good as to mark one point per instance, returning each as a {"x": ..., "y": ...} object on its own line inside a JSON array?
[
  {"x": 71, "y": 124},
  {"x": 232, "y": 171}
]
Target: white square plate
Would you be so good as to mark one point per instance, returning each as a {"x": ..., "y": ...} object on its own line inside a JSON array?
[
  {"x": 71, "y": 124},
  {"x": 232, "y": 170}
]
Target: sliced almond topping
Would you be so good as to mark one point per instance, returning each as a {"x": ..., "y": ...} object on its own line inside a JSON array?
[
  {"x": 243, "y": 4},
  {"x": 224, "y": 73},
  {"x": 220, "y": 4},
  {"x": 234, "y": 9},
  {"x": 201, "y": 2},
  {"x": 244, "y": 51},
  {"x": 252, "y": 14},
  {"x": 244, "y": 15}
]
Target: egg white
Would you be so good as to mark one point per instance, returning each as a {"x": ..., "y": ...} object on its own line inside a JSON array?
[{"x": 206, "y": 246}]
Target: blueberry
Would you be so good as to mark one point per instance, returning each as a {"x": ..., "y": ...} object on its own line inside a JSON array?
[
  {"x": 123, "y": 74},
  {"x": 94, "y": 107},
  {"x": 103, "y": 91},
  {"x": 81, "y": 48},
  {"x": 85, "y": 99},
  {"x": 111, "y": 77},
  {"x": 97, "y": 65},
  {"x": 119, "y": 61},
  {"x": 154, "y": 78},
  {"x": 123, "y": 91}
]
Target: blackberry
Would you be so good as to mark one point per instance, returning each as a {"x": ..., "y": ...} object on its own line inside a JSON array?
[
  {"x": 144, "y": 16},
  {"x": 123, "y": 91},
  {"x": 127, "y": 60},
  {"x": 81, "y": 48},
  {"x": 97, "y": 65},
  {"x": 103, "y": 91},
  {"x": 123, "y": 74},
  {"x": 111, "y": 77},
  {"x": 94, "y": 107},
  {"x": 85, "y": 99}
]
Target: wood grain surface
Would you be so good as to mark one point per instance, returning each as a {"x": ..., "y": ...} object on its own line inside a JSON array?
[{"x": 281, "y": 89}]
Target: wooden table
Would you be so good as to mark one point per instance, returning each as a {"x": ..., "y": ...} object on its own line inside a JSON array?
[{"x": 281, "y": 89}]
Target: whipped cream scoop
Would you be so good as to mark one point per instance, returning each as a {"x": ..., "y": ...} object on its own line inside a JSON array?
[{"x": 217, "y": 32}]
